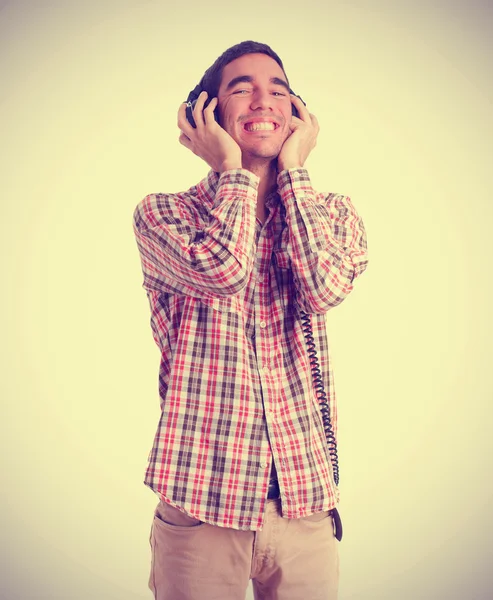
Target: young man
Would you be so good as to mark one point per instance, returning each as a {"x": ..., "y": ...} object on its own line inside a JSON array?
[{"x": 234, "y": 269}]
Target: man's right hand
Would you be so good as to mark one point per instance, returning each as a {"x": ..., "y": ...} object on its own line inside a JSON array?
[{"x": 209, "y": 140}]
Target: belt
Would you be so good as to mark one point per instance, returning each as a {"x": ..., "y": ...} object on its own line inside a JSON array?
[{"x": 274, "y": 491}]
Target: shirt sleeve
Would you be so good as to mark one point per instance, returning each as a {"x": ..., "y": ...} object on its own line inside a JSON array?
[
  {"x": 195, "y": 249},
  {"x": 327, "y": 242}
]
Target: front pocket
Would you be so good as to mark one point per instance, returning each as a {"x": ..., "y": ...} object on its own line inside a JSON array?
[
  {"x": 316, "y": 517},
  {"x": 169, "y": 516}
]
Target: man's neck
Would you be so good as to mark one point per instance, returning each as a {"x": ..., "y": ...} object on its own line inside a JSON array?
[{"x": 268, "y": 183}]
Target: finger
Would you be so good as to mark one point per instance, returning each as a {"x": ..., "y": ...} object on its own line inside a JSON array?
[
  {"x": 302, "y": 109},
  {"x": 198, "y": 111},
  {"x": 315, "y": 121},
  {"x": 209, "y": 111},
  {"x": 182, "y": 121},
  {"x": 184, "y": 140}
]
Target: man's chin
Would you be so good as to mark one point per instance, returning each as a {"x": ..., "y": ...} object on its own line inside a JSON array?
[
  {"x": 262, "y": 153},
  {"x": 260, "y": 161}
]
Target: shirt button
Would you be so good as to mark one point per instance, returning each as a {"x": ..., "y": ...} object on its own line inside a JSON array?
[
  {"x": 264, "y": 465},
  {"x": 263, "y": 324}
]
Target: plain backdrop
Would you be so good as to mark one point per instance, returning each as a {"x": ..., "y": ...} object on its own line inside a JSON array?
[{"x": 89, "y": 93}]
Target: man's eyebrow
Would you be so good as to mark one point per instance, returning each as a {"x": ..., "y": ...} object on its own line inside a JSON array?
[
  {"x": 279, "y": 81},
  {"x": 249, "y": 79}
]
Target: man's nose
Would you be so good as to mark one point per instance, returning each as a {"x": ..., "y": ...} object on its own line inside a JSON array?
[{"x": 261, "y": 99}]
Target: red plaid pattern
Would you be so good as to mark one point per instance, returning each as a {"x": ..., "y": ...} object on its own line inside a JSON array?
[{"x": 235, "y": 381}]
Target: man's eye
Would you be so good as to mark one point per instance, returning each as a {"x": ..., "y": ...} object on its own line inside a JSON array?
[
  {"x": 240, "y": 91},
  {"x": 278, "y": 93}
]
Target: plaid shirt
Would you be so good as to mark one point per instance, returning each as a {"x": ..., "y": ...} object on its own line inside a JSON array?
[{"x": 235, "y": 381}]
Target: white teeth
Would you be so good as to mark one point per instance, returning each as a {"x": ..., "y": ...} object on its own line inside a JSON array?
[{"x": 258, "y": 126}]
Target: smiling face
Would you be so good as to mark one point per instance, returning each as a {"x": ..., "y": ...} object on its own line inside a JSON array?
[{"x": 255, "y": 106}]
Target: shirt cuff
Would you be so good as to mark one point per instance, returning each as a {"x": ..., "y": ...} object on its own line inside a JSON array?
[
  {"x": 237, "y": 183},
  {"x": 294, "y": 184}
]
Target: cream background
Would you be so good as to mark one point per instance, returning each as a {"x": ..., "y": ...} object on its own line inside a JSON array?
[{"x": 88, "y": 97}]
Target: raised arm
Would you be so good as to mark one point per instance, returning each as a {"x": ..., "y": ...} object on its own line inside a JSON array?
[
  {"x": 181, "y": 248},
  {"x": 326, "y": 237},
  {"x": 326, "y": 242}
]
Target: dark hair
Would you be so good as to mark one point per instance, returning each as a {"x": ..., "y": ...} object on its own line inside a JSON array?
[{"x": 211, "y": 80}]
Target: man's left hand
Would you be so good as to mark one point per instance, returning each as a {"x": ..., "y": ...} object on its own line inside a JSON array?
[{"x": 302, "y": 139}]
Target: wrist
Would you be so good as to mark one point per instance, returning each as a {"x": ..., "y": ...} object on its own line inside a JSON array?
[
  {"x": 229, "y": 165},
  {"x": 284, "y": 166}
]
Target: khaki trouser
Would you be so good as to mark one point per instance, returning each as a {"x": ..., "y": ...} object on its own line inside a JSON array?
[{"x": 290, "y": 559}]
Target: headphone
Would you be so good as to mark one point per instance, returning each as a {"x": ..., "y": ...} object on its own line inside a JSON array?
[{"x": 195, "y": 93}]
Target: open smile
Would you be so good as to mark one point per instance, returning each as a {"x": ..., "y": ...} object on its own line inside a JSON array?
[{"x": 260, "y": 126}]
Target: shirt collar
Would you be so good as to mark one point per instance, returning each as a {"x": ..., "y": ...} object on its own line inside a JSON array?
[{"x": 206, "y": 190}]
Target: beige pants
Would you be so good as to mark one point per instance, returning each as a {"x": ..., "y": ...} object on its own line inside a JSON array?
[{"x": 290, "y": 559}]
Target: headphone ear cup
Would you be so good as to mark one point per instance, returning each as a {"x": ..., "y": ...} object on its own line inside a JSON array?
[
  {"x": 191, "y": 102},
  {"x": 193, "y": 96},
  {"x": 294, "y": 110},
  {"x": 189, "y": 114}
]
